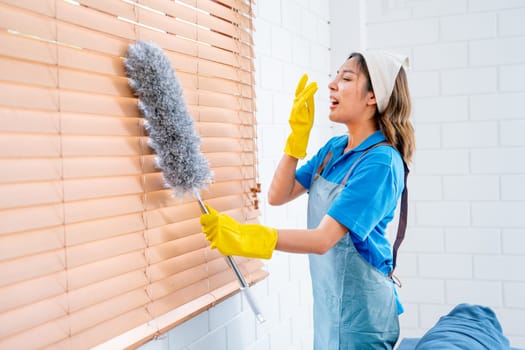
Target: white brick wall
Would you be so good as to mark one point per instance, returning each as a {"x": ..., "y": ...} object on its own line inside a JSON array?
[{"x": 466, "y": 235}]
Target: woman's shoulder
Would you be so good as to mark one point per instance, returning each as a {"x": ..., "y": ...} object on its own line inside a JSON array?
[{"x": 386, "y": 155}]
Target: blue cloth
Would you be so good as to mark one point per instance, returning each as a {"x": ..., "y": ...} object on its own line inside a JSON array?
[
  {"x": 408, "y": 344},
  {"x": 466, "y": 327},
  {"x": 369, "y": 198},
  {"x": 354, "y": 303}
]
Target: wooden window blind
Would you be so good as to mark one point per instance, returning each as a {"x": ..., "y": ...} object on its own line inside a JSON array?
[{"x": 93, "y": 248}]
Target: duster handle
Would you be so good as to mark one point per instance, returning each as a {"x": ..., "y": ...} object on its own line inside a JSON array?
[{"x": 245, "y": 287}]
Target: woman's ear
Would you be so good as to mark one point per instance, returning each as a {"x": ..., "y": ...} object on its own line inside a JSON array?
[{"x": 371, "y": 98}]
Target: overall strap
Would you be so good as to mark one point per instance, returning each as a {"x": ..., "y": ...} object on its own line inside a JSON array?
[
  {"x": 402, "y": 225},
  {"x": 323, "y": 164},
  {"x": 403, "y": 214}
]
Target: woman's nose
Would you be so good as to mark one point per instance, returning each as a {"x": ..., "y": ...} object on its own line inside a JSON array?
[{"x": 332, "y": 85}]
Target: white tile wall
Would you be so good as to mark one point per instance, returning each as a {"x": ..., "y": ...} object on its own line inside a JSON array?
[
  {"x": 470, "y": 134},
  {"x": 471, "y": 187},
  {"x": 511, "y": 131},
  {"x": 403, "y": 33},
  {"x": 469, "y": 81},
  {"x": 474, "y": 292},
  {"x": 468, "y": 180},
  {"x": 466, "y": 235},
  {"x": 438, "y": 8},
  {"x": 473, "y": 241},
  {"x": 467, "y": 27},
  {"x": 439, "y": 56},
  {"x": 511, "y": 22},
  {"x": 440, "y": 109}
]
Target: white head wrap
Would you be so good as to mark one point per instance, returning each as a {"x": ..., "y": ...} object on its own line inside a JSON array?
[{"x": 383, "y": 68}]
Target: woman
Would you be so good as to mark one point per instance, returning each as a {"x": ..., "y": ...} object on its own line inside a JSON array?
[{"x": 354, "y": 183}]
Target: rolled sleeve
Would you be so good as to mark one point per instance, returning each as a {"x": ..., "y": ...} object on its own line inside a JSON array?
[{"x": 305, "y": 173}]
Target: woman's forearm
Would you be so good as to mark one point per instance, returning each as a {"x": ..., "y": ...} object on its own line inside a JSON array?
[
  {"x": 311, "y": 241},
  {"x": 284, "y": 187}
]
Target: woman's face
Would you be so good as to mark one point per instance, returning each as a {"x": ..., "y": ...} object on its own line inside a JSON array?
[{"x": 350, "y": 100}]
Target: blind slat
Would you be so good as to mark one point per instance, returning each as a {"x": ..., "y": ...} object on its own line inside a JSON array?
[
  {"x": 177, "y": 247},
  {"x": 33, "y": 266},
  {"x": 29, "y": 169},
  {"x": 29, "y": 194},
  {"x": 100, "y": 208},
  {"x": 181, "y": 280},
  {"x": 26, "y": 22},
  {"x": 216, "y": 9},
  {"x": 29, "y": 121},
  {"x": 178, "y": 298},
  {"x": 85, "y": 124},
  {"x": 168, "y": 24},
  {"x": 98, "y": 104},
  {"x": 81, "y": 189},
  {"x": 105, "y": 330},
  {"x": 44, "y": 7},
  {"x": 31, "y": 243},
  {"x": 92, "y": 166},
  {"x": 22, "y": 146},
  {"x": 87, "y": 39},
  {"x": 208, "y": 113},
  {"x": 19, "y": 47},
  {"x": 160, "y": 266},
  {"x": 90, "y": 61},
  {"x": 85, "y": 275},
  {"x": 106, "y": 310},
  {"x": 214, "y": 54},
  {"x": 218, "y": 159},
  {"x": 33, "y": 315},
  {"x": 107, "y": 289},
  {"x": 40, "y": 336},
  {"x": 103, "y": 249},
  {"x": 171, "y": 8},
  {"x": 219, "y": 25},
  {"x": 15, "y": 220},
  {"x": 115, "y": 8},
  {"x": 104, "y": 228},
  {"x": 168, "y": 42},
  {"x": 88, "y": 18},
  {"x": 217, "y": 69},
  {"x": 102, "y": 146},
  {"x": 32, "y": 291},
  {"x": 28, "y": 73},
  {"x": 218, "y": 144},
  {"x": 13, "y": 95},
  {"x": 92, "y": 83}
]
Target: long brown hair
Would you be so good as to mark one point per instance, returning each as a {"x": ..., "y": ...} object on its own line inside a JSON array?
[{"x": 394, "y": 121}]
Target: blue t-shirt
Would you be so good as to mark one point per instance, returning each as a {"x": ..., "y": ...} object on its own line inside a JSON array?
[{"x": 368, "y": 200}]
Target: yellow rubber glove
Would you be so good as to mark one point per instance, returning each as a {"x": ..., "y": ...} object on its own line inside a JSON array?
[
  {"x": 301, "y": 118},
  {"x": 233, "y": 238}
]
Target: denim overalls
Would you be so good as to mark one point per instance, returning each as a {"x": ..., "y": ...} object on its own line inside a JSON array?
[{"x": 354, "y": 303}]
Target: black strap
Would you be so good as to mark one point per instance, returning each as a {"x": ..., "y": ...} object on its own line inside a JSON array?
[{"x": 403, "y": 217}]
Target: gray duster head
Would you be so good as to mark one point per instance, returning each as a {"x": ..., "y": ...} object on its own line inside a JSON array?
[{"x": 170, "y": 126}]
